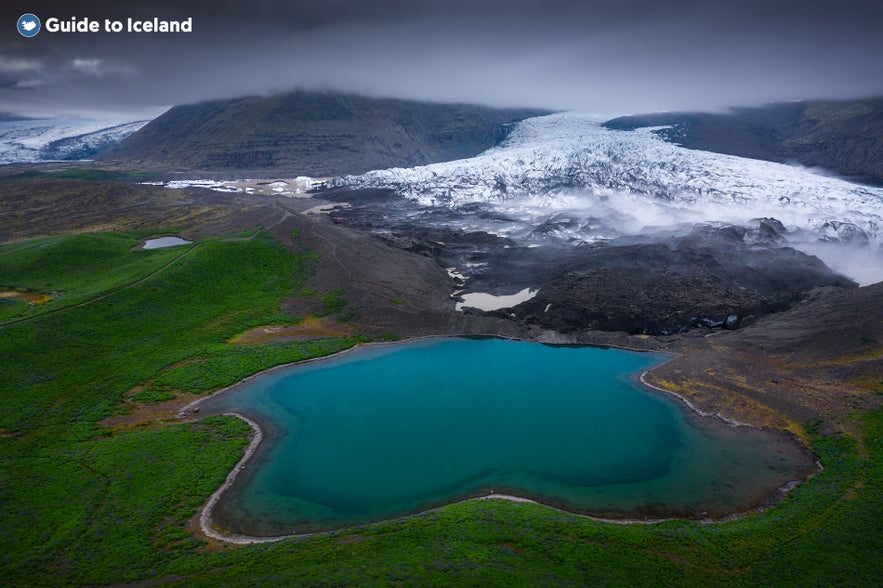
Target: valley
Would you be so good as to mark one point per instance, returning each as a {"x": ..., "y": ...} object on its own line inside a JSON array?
[{"x": 108, "y": 483}]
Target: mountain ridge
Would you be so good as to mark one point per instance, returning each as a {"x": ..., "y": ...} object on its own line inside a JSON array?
[
  {"x": 313, "y": 133},
  {"x": 841, "y": 136}
]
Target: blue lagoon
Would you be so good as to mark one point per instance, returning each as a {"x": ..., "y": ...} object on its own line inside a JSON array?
[{"x": 389, "y": 430}]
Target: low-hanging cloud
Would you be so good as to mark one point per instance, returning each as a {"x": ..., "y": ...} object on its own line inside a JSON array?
[{"x": 601, "y": 57}]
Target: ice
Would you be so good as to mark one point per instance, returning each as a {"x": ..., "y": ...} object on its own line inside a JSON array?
[
  {"x": 569, "y": 163},
  {"x": 565, "y": 177},
  {"x": 63, "y": 138}
]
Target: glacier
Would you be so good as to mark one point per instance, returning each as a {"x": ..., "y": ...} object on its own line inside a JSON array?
[
  {"x": 61, "y": 138},
  {"x": 564, "y": 176}
]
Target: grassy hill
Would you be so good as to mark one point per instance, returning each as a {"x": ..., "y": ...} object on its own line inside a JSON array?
[{"x": 88, "y": 503}]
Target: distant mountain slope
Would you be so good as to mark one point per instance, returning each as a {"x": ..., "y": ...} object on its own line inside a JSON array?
[
  {"x": 845, "y": 137},
  {"x": 316, "y": 134}
]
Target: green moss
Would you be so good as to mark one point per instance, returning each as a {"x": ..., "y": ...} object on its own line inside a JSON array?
[
  {"x": 332, "y": 302},
  {"x": 77, "y": 362},
  {"x": 224, "y": 365},
  {"x": 78, "y": 268},
  {"x": 12, "y": 308},
  {"x": 82, "y": 506}
]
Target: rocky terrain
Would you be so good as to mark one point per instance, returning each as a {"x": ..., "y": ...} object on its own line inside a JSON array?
[
  {"x": 710, "y": 279},
  {"x": 713, "y": 277},
  {"x": 821, "y": 359},
  {"x": 799, "y": 351},
  {"x": 614, "y": 233},
  {"x": 38, "y": 205}
]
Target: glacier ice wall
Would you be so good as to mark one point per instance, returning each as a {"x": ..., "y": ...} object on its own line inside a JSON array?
[{"x": 568, "y": 174}]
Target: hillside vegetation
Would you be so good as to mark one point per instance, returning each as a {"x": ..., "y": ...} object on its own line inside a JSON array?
[{"x": 88, "y": 503}]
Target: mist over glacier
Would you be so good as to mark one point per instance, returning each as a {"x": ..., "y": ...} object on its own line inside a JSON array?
[{"x": 563, "y": 178}]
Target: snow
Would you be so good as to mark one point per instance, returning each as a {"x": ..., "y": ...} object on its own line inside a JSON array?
[
  {"x": 64, "y": 138},
  {"x": 294, "y": 188},
  {"x": 454, "y": 274},
  {"x": 484, "y": 301},
  {"x": 564, "y": 176},
  {"x": 568, "y": 163},
  {"x": 217, "y": 186}
]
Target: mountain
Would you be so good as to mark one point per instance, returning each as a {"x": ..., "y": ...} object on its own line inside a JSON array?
[
  {"x": 845, "y": 137},
  {"x": 568, "y": 169},
  {"x": 313, "y": 133},
  {"x": 563, "y": 178},
  {"x": 24, "y": 140},
  {"x": 11, "y": 116}
]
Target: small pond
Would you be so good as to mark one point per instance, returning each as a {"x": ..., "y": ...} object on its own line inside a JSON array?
[
  {"x": 161, "y": 242},
  {"x": 384, "y": 431}
]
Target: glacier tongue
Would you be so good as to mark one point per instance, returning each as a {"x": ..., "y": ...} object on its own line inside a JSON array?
[
  {"x": 62, "y": 138},
  {"x": 578, "y": 179}
]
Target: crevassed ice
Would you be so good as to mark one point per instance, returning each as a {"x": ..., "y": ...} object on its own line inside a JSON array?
[
  {"x": 568, "y": 162},
  {"x": 30, "y": 140}
]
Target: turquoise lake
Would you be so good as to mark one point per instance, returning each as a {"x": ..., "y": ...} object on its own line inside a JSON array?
[{"x": 385, "y": 431}]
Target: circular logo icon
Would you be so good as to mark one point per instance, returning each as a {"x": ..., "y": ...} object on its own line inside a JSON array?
[{"x": 28, "y": 25}]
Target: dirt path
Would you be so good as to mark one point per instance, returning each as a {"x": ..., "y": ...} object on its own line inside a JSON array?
[{"x": 105, "y": 294}]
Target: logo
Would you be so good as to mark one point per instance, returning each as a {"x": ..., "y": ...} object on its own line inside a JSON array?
[{"x": 28, "y": 25}]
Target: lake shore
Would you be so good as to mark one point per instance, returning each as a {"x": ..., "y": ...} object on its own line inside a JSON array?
[{"x": 261, "y": 441}]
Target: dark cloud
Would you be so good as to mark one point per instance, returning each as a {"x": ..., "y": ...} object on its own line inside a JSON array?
[{"x": 606, "y": 57}]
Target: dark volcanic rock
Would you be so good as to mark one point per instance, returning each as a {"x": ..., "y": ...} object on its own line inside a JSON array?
[
  {"x": 820, "y": 359},
  {"x": 702, "y": 280},
  {"x": 717, "y": 276},
  {"x": 845, "y": 137},
  {"x": 443, "y": 243},
  {"x": 314, "y": 133}
]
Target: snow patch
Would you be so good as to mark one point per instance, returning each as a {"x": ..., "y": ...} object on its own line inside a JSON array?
[{"x": 484, "y": 301}]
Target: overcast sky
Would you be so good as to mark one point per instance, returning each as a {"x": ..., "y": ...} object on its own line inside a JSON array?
[{"x": 607, "y": 58}]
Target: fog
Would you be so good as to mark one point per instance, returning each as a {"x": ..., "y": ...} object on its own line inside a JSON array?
[
  {"x": 862, "y": 263},
  {"x": 614, "y": 215}
]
